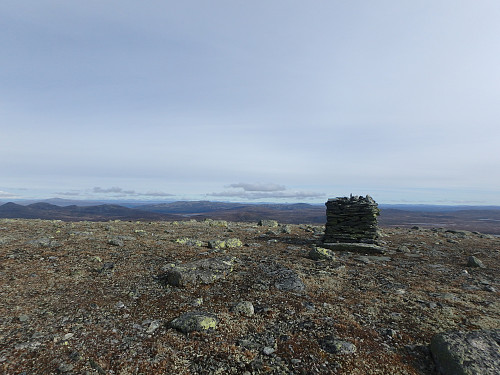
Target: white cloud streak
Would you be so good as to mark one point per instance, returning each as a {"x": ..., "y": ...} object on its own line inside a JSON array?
[
  {"x": 253, "y": 191},
  {"x": 120, "y": 192},
  {"x": 157, "y": 194},
  {"x": 69, "y": 193},
  {"x": 113, "y": 190},
  {"x": 258, "y": 187}
]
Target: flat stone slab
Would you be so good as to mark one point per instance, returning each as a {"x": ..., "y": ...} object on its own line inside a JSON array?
[
  {"x": 284, "y": 278},
  {"x": 203, "y": 271},
  {"x": 372, "y": 258},
  {"x": 364, "y": 248},
  {"x": 467, "y": 353}
]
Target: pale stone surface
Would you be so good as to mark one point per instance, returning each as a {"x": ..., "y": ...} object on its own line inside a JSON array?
[{"x": 203, "y": 271}]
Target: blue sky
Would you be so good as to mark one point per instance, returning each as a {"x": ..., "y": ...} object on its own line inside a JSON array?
[{"x": 251, "y": 101}]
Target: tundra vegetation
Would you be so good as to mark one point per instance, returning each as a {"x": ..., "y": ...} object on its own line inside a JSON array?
[{"x": 127, "y": 297}]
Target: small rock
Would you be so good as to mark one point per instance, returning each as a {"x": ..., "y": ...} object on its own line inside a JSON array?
[
  {"x": 229, "y": 243},
  {"x": 391, "y": 332},
  {"x": 475, "y": 262},
  {"x": 197, "y": 302},
  {"x": 216, "y": 244},
  {"x": 44, "y": 242},
  {"x": 403, "y": 249},
  {"x": 290, "y": 282},
  {"x": 23, "y": 318},
  {"x": 244, "y": 308},
  {"x": 116, "y": 242},
  {"x": 336, "y": 346},
  {"x": 65, "y": 367},
  {"x": 194, "y": 321},
  {"x": 287, "y": 229},
  {"x": 320, "y": 253},
  {"x": 119, "y": 305},
  {"x": 268, "y": 350},
  {"x": 268, "y": 223},
  {"x": 203, "y": 271},
  {"x": 216, "y": 223},
  {"x": 153, "y": 326},
  {"x": 107, "y": 266},
  {"x": 189, "y": 242},
  {"x": 309, "y": 306},
  {"x": 75, "y": 356},
  {"x": 234, "y": 242}
]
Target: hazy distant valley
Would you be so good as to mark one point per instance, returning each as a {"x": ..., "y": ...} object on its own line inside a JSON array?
[{"x": 472, "y": 218}]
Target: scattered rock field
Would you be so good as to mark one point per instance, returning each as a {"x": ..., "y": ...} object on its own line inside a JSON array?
[{"x": 193, "y": 297}]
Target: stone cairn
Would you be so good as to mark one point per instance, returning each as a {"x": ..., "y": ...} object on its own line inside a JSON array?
[{"x": 351, "y": 223}]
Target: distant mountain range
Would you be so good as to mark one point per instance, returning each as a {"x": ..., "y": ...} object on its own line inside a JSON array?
[
  {"x": 481, "y": 219},
  {"x": 101, "y": 212}
]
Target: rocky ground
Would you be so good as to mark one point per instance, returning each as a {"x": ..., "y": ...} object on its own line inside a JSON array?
[{"x": 166, "y": 297}]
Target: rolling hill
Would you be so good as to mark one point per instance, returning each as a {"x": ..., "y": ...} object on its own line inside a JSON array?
[{"x": 480, "y": 219}]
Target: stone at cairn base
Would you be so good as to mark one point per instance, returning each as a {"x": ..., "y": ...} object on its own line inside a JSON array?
[{"x": 355, "y": 246}]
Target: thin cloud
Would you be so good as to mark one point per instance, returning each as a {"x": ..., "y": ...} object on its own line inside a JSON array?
[
  {"x": 157, "y": 194},
  {"x": 265, "y": 191},
  {"x": 68, "y": 193},
  {"x": 118, "y": 191},
  {"x": 5, "y": 194},
  {"x": 258, "y": 187},
  {"x": 113, "y": 190}
]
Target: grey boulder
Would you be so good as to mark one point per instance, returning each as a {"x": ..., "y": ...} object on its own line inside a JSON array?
[{"x": 467, "y": 353}]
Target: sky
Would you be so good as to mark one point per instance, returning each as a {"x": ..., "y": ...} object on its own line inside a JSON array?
[{"x": 251, "y": 101}]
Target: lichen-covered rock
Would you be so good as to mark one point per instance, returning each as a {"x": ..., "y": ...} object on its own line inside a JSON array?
[
  {"x": 333, "y": 345},
  {"x": 321, "y": 253},
  {"x": 244, "y": 308},
  {"x": 287, "y": 229},
  {"x": 216, "y": 244},
  {"x": 194, "y": 321},
  {"x": 203, "y": 271},
  {"x": 216, "y": 223},
  {"x": 268, "y": 223},
  {"x": 189, "y": 242},
  {"x": 233, "y": 242},
  {"x": 223, "y": 244},
  {"x": 467, "y": 353}
]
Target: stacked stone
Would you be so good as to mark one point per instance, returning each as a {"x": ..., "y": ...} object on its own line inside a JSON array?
[{"x": 351, "y": 220}]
